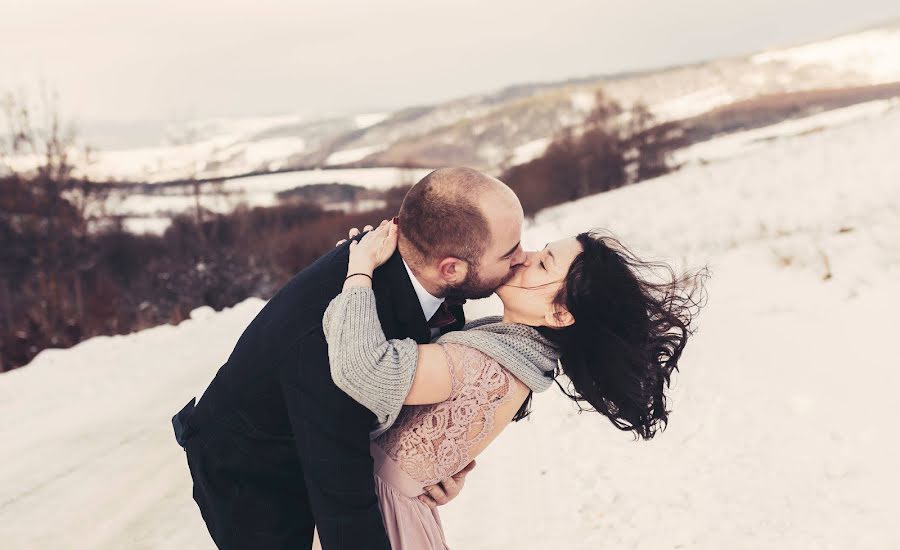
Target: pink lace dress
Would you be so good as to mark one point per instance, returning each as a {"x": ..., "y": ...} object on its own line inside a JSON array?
[{"x": 429, "y": 443}]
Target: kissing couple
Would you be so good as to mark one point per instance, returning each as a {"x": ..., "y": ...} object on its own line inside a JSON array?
[{"x": 357, "y": 399}]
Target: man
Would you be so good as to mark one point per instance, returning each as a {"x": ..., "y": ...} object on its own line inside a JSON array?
[{"x": 275, "y": 449}]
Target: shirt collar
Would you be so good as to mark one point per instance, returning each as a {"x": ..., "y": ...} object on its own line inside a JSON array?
[{"x": 429, "y": 303}]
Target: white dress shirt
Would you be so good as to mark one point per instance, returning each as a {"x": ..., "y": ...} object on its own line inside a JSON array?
[{"x": 429, "y": 302}]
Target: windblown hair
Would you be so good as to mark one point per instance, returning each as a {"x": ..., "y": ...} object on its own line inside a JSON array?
[
  {"x": 628, "y": 334},
  {"x": 440, "y": 217}
]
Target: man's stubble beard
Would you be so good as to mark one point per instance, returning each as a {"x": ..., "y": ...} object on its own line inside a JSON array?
[{"x": 473, "y": 287}]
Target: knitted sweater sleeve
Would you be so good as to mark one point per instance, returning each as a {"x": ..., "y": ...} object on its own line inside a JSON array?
[{"x": 375, "y": 372}]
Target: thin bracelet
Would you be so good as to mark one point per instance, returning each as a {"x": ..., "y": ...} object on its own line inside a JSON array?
[{"x": 363, "y": 274}]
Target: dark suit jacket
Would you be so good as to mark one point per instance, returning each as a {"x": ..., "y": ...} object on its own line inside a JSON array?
[{"x": 284, "y": 424}]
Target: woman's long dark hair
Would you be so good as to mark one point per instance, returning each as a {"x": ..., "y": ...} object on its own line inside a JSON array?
[{"x": 628, "y": 333}]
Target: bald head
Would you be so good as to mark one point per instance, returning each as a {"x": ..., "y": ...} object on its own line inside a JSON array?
[
  {"x": 448, "y": 213},
  {"x": 462, "y": 181}
]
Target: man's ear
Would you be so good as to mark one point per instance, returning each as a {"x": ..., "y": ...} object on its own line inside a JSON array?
[
  {"x": 559, "y": 317},
  {"x": 453, "y": 270}
]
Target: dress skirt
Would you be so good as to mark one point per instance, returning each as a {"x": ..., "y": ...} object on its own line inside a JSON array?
[{"x": 410, "y": 523}]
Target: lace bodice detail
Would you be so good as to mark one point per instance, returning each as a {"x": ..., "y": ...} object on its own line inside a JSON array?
[{"x": 433, "y": 442}]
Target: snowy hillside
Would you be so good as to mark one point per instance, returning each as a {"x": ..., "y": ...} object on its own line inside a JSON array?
[
  {"x": 848, "y": 77},
  {"x": 777, "y": 436},
  {"x": 152, "y": 209},
  {"x": 494, "y": 130}
]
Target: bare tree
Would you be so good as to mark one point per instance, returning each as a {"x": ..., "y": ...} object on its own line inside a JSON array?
[{"x": 44, "y": 208}]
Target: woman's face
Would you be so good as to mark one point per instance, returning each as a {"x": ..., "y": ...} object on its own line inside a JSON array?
[{"x": 528, "y": 296}]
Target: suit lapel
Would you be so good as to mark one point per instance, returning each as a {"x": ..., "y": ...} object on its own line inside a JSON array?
[{"x": 396, "y": 300}]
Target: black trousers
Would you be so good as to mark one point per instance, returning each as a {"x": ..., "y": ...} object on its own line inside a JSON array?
[
  {"x": 259, "y": 495},
  {"x": 246, "y": 509}
]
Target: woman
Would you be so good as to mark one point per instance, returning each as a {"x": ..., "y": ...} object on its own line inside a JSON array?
[{"x": 577, "y": 307}]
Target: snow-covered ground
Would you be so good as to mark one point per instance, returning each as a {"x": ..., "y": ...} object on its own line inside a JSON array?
[{"x": 780, "y": 435}]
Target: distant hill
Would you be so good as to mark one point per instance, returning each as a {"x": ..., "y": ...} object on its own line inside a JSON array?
[{"x": 494, "y": 130}]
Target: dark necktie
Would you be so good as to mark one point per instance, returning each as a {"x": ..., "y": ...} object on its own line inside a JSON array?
[{"x": 443, "y": 316}]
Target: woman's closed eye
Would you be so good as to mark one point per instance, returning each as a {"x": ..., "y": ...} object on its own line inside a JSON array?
[{"x": 545, "y": 251}]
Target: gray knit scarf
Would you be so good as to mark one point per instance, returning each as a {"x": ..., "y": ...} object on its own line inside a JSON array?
[{"x": 521, "y": 349}]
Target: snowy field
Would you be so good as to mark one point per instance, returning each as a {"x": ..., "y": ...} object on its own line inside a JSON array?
[
  {"x": 774, "y": 441},
  {"x": 152, "y": 213}
]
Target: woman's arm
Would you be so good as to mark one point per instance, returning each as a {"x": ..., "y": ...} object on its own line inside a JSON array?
[
  {"x": 432, "y": 381},
  {"x": 380, "y": 374}
]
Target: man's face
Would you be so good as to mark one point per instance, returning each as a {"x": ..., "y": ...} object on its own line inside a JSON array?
[{"x": 501, "y": 257}]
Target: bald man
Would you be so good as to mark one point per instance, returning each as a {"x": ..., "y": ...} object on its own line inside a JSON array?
[{"x": 275, "y": 449}]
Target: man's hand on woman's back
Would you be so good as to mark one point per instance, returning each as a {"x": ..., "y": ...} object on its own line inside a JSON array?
[
  {"x": 446, "y": 490},
  {"x": 354, "y": 232}
]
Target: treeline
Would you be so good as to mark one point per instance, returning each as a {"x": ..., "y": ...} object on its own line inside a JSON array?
[
  {"x": 60, "y": 283},
  {"x": 614, "y": 147}
]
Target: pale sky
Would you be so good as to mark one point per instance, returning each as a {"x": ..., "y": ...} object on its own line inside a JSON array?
[{"x": 162, "y": 60}]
